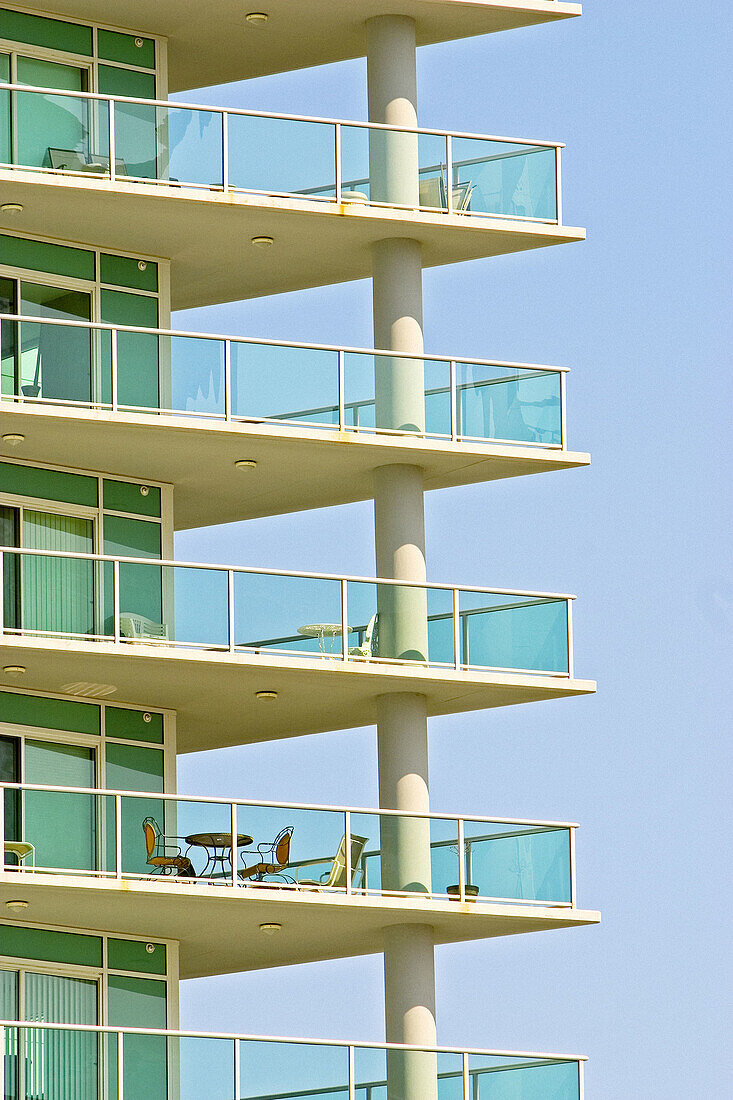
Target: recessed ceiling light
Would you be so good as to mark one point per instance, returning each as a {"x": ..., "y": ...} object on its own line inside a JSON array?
[
  {"x": 14, "y": 670},
  {"x": 265, "y": 695},
  {"x": 245, "y": 463},
  {"x": 270, "y": 928},
  {"x": 257, "y": 18},
  {"x": 16, "y": 904},
  {"x": 263, "y": 242},
  {"x": 89, "y": 690},
  {"x": 13, "y": 439},
  {"x": 12, "y": 208}
]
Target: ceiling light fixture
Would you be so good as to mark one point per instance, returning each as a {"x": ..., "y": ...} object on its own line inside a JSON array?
[
  {"x": 271, "y": 928},
  {"x": 257, "y": 18},
  {"x": 13, "y": 439},
  {"x": 245, "y": 463},
  {"x": 88, "y": 690},
  {"x": 266, "y": 695},
  {"x": 16, "y": 904},
  {"x": 14, "y": 670},
  {"x": 263, "y": 242},
  {"x": 12, "y": 208}
]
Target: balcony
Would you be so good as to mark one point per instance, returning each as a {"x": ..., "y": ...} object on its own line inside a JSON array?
[
  {"x": 345, "y": 874},
  {"x": 298, "y": 34},
  {"x": 109, "y": 1063},
  {"x": 206, "y": 641},
  {"x": 165, "y": 176},
  {"x": 139, "y": 394}
]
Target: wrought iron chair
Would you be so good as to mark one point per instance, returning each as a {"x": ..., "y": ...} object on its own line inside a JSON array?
[
  {"x": 163, "y": 857},
  {"x": 273, "y": 858}
]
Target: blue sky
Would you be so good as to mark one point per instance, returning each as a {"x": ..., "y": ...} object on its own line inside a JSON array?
[{"x": 641, "y": 313}]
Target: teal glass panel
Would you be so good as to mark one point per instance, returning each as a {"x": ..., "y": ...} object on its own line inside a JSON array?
[
  {"x": 513, "y": 631},
  {"x": 59, "y": 131},
  {"x": 10, "y": 773},
  {"x": 205, "y": 1067},
  {"x": 201, "y": 831},
  {"x": 395, "y": 393},
  {"x": 4, "y": 110},
  {"x": 381, "y": 1074},
  {"x": 507, "y": 1077},
  {"x": 141, "y": 1002},
  {"x": 191, "y": 375},
  {"x": 401, "y": 622},
  {"x": 133, "y": 725},
  {"x": 76, "y": 263},
  {"x": 201, "y": 605},
  {"x": 137, "y": 353},
  {"x": 8, "y": 335},
  {"x": 317, "y": 847},
  {"x": 52, "y": 361},
  {"x": 126, "y": 271},
  {"x": 398, "y": 852},
  {"x": 135, "y": 955},
  {"x": 141, "y": 597},
  {"x": 131, "y": 538},
  {"x": 9, "y": 1010},
  {"x": 508, "y": 404},
  {"x": 518, "y": 861},
  {"x": 56, "y": 34},
  {"x": 366, "y": 156},
  {"x": 290, "y": 1071},
  {"x": 173, "y": 144},
  {"x": 355, "y": 174},
  {"x": 133, "y": 768},
  {"x": 287, "y": 614},
  {"x": 59, "y": 1065},
  {"x": 282, "y": 155},
  {"x": 62, "y": 827},
  {"x": 285, "y": 383},
  {"x": 500, "y": 177},
  {"x": 131, "y": 496},
  {"x": 128, "y": 49}
]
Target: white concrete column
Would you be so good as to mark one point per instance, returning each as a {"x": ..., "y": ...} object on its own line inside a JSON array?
[{"x": 409, "y": 969}]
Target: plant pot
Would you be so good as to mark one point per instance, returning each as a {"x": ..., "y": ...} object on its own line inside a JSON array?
[
  {"x": 30, "y": 391},
  {"x": 454, "y": 892}
]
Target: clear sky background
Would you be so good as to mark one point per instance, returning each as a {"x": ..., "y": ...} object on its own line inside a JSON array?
[{"x": 641, "y": 313}]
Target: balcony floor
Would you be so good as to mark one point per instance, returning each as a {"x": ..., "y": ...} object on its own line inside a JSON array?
[
  {"x": 197, "y": 457},
  {"x": 218, "y": 928},
  {"x": 213, "y": 692},
  {"x": 316, "y": 243},
  {"x": 299, "y": 34}
]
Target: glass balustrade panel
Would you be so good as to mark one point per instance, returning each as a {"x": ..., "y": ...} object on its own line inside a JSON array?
[
  {"x": 499, "y": 177},
  {"x": 509, "y": 1077},
  {"x": 168, "y": 143},
  {"x": 56, "y": 362},
  {"x": 382, "y": 1074},
  {"x": 306, "y": 849},
  {"x": 205, "y": 1067},
  {"x": 289, "y": 384},
  {"x": 64, "y": 132},
  {"x": 513, "y": 632},
  {"x": 190, "y": 374},
  {"x": 508, "y": 403},
  {"x": 162, "y": 604},
  {"x": 394, "y": 393},
  {"x": 53, "y": 595},
  {"x": 518, "y": 862},
  {"x": 396, "y": 853},
  {"x": 393, "y": 166},
  {"x": 282, "y": 155},
  {"x": 401, "y": 622},
  {"x": 291, "y": 615},
  {"x": 83, "y": 837},
  {"x": 293, "y": 1071}
]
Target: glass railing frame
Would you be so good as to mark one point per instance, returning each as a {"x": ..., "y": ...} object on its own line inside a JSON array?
[
  {"x": 111, "y": 175},
  {"x": 341, "y": 351},
  {"x": 468, "y": 1075},
  {"x": 458, "y": 616},
  {"x": 348, "y": 889}
]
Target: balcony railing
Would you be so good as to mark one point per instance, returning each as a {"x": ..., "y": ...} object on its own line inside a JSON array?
[
  {"x": 242, "y": 610},
  {"x": 152, "y": 142},
  {"x": 331, "y": 850},
  {"x": 108, "y": 1063},
  {"x": 238, "y": 380}
]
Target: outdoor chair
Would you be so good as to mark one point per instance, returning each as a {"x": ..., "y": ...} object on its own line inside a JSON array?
[
  {"x": 163, "y": 857},
  {"x": 70, "y": 160},
  {"x": 433, "y": 195},
  {"x": 371, "y": 641},
  {"x": 336, "y": 876},
  {"x": 273, "y": 858},
  {"x": 136, "y": 628}
]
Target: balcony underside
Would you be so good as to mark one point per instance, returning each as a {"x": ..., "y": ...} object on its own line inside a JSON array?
[
  {"x": 206, "y": 234},
  {"x": 218, "y": 927},
  {"x": 197, "y": 457},
  {"x": 300, "y": 33},
  {"x": 213, "y": 692}
]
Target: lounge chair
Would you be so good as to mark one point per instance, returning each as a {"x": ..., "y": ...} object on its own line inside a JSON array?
[
  {"x": 370, "y": 643},
  {"x": 136, "y": 628},
  {"x": 336, "y": 876}
]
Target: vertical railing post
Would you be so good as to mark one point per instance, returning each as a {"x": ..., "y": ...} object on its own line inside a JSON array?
[
  {"x": 347, "y": 837},
  {"x": 115, "y": 597},
  {"x": 453, "y": 402},
  {"x": 344, "y": 621},
  {"x": 342, "y": 390},
  {"x": 118, "y": 836},
  {"x": 234, "y": 843},
  {"x": 2, "y": 825},
  {"x": 461, "y": 860},
  {"x": 581, "y": 1080},
  {"x": 120, "y": 1066},
  {"x": 563, "y": 421},
  {"x": 456, "y": 630},
  {"x": 466, "y": 1078},
  {"x": 449, "y": 173},
  {"x": 237, "y": 1069},
  {"x": 225, "y": 150},
  {"x": 337, "y": 159},
  {"x": 558, "y": 185},
  {"x": 112, "y": 138},
  {"x": 569, "y": 605},
  {"x": 352, "y": 1073},
  {"x": 114, "y": 365},
  {"x": 227, "y": 379},
  {"x": 230, "y": 609},
  {"x": 573, "y": 886}
]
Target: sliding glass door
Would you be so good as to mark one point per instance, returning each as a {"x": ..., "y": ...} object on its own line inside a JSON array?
[
  {"x": 58, "y": 594},
  {"x": 72, "y": 842}
]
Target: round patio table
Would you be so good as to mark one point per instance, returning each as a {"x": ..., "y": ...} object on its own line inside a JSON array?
[
  {"x": 218, "y": 848},
  {"x": 322, "y": 631}
]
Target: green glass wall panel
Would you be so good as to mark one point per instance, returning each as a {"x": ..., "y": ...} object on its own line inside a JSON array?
[
  {"x": 58, "y": 259},
  {"x": 125, "y": 271},
  {"x": 131, "y": 725},
  {"x": 141, "y": 1002},
  {"x": 44, "y": 946},
  {"x": 114, "y": 46},
  {"x": 38, "y": 30},
  {"x": 10, "y": 773},
  {"x": 137, "y": 376},
  {"x": 131, "y": 538},
  {"x": 5, "y": 110},
  {"x": 54, "y": 362},
  {"x": 31, "y": 481},
  {"x": 140, "y": 586},
  {"x": 128, "y": 82},
  {"x": 125, "y": 496},
  {"x": 47, "y": 122},
  {"x": 56, "y": 714},
  {"x": 133, "y": 955},
  {"x": 62, "y": 827},
  {"x": 134, "y": 768}
]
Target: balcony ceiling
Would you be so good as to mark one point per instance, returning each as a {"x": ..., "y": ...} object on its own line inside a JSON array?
[
  {"x": 197, "y": 457},
  {"x": 207, "y": 234},
  {"x": 213, "y": 44},
  {"x": 218, "y": 928},
  {"x": 213, "y": 692}
]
